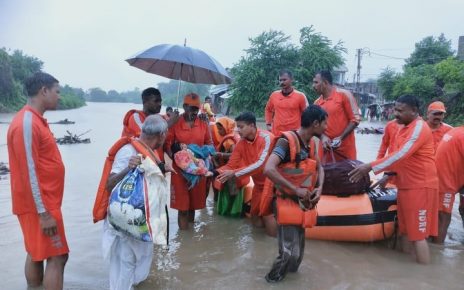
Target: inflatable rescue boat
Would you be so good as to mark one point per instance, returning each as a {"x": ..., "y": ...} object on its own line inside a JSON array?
[{"x": 362, "y": 217}]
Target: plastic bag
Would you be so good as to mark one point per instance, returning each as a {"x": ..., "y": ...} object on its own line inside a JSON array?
[{"x": 126, "y": 209}]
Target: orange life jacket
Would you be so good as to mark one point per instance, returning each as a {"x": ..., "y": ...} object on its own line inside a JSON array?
[
  {"x": 126, "y": 130},
  {"x": 301, "y": 173},
  {"x": 101, "y": 201}
]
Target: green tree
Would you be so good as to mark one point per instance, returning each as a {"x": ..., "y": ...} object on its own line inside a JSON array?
[
  {"x": 386, "y": 82},
  {"x": 419, "y": 81},
  {"x": 71, "y": 98},
  {"x": 451, "y": 73},
  {"x": 256, "y": 74},
  {"x": 15, "y": 69},
  {"x": 169, "y": 91},
  {"x": 98, "y": 95},
  {"x": 11, "y": 90},
  {"x": 316, "y": 53},
  {"x": 430, "y": 50}
]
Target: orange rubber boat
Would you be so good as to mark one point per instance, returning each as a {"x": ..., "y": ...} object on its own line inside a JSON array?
[{"x": 363, "y": 217}]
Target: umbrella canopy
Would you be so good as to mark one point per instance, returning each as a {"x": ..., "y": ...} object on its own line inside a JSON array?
[{"x": 181, "y": 63}]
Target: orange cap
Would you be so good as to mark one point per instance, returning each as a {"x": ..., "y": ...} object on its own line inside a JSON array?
[
  {"x": 437, "y": 106},
  {"x": 192, "y": 99}
]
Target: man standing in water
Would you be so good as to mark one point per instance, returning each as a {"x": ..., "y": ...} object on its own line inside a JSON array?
[
  {"x": 151, "y": 100},
  {"x": 343, "y": 117},
  {"x": 130, "y": 259},
  {"x": 435, "y": 115},
  {"x": 412, "y": 159},
  {"x": 190, "y": 129},
  {"x": 288, "y": 187},
  {"x": 284, "y": 107},
  {"x": 248, "y": 159},
  {"x": 133, "y": 120},
  {"x": 37, "y": 184},
  {"x": 450, "y": 163}
]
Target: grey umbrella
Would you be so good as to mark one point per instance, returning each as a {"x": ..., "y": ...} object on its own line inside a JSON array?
[{"x": 181, "y": 63}]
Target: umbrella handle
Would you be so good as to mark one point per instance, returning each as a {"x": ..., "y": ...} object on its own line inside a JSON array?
[{"x": 178, "y": 85}]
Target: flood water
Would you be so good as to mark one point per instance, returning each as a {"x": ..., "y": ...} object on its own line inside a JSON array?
[{"x": 218, "y": 252}]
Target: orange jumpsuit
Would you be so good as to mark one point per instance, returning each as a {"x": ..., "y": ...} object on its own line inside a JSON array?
[
  {"x": 450, "y": 165},
  {"x": 439, "y": 133},
  {"x": 132, "y": 127},
  {"x": 342, "y": 109},
  {"x": 248, "y": 159},
  {"x": 37, "y": 182},
  {"x": 284, "y": 112},
  {"x": 412, "y": 158},
  {"x": 388, "y": 139},
  {"x": 182, "y": 198}
]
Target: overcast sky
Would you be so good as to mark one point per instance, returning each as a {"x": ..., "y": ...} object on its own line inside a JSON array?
[{"x": 84, "y": 43}]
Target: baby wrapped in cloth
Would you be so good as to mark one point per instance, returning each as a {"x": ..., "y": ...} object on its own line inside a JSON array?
[{"x": 194, "y": 161}]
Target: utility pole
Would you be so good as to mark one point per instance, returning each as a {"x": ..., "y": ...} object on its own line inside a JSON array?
[{"x": 358, "y": 75}]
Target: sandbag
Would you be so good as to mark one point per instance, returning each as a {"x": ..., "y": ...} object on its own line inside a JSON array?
[{"x": 337, "y": 181}]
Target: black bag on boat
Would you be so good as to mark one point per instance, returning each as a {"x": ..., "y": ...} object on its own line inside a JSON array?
[{"x": 336, "y": 179}]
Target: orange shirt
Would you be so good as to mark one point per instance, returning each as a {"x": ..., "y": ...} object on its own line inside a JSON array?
[
  {"x": 388, "y": 138},
  {"x": 412, "y": 158},
  {"x": 284, "y": 112},
  {"x": 182, "y": 132},
  {"x": 450, "y": 161},
  {"x": 439, "y": 133},
  {"x": 37, "y": 171},
  {"x": 216, "y": 137},
  {"x": 132, "y": 125},
  {"x": 342, "y": 109},
  {"x": 248, "y": 158}
]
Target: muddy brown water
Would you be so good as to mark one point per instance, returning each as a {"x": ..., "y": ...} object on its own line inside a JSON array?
[{"x": 218, "y": 252}]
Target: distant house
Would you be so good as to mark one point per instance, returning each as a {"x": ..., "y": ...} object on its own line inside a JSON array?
[
  {"x": 367, "y": 92},
  {"x": 219, "y": 98},
  {"x": 338, "y": 75}
]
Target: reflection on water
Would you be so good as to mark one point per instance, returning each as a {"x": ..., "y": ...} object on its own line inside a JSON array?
[{"x": 218, "y": 252}]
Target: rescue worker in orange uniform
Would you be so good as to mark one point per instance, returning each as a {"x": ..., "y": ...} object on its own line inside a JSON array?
[
  {"x": 344, "y": 117},
  {"x": 284, "y": 107},
  {"x": 435, "y": 115},
  {"x": 292, "y": 189},
  {"x": 189, "y": 129},
  {"x": 412, "y": 159},
  {"x": 450, "y": 163},
  {"x": 133, "y": 120},
  {"x": 248, "y": 159},
  {"x": 37, "y": 184},
  {"x": 388, "y": 138}
]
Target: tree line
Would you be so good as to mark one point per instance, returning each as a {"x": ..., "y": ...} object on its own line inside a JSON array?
[
  {"x": 432, "y": 72},
  {"x": 15, "y": 68},
  {"x": 256, "y": 74},
  {"x": 168, "y": 93}
]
